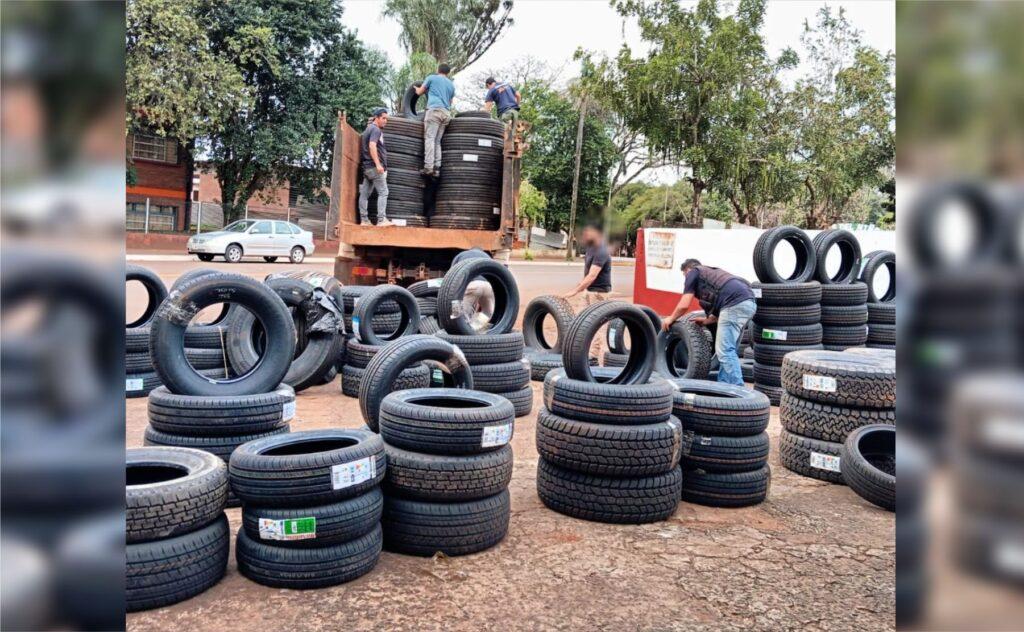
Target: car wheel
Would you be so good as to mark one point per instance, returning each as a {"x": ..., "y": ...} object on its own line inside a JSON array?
[
  {"x": 233, "y": 254},
  {"x": 297, "y": 254},
  {"x": 205, "y": 257},
  {"x": 270, "y": 259}
]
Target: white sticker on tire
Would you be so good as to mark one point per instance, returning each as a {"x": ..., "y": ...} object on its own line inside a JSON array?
[
  {"x": 825, "y": 461},
  {"x": 435, "y": 282},
  {"x": 288, "y": 411},
  {"x": 469, "y": 157},
  {"x": 355, "y": 328},
  {"x": 820, "y": 383},
  {"x": 689, "y": 399},
  {"x": 399, "y": 222},
  {"x": 496, "y": 435},
  {"x": 497, "y": 211},
  {"x": 483, "y": 142},
  {"x": 133, "y": 384},
  {"x": 354, "y": 472},
  {"x": 291, "y": 529},
  {"x": 756, "y": 291},
  {"x": 773, "y": 334}
]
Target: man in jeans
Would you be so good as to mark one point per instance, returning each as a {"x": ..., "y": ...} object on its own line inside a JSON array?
[
  {"x": 597, "y": 274},
  {"x": 439, "y": 90},
  {"x": 506, "y": 97},
  {"x": 374, "y": 160},
  {"x": 726, "y": 299}
]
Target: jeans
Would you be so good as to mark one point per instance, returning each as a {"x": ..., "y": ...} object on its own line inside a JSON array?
[
  {"x": 373, "y": 180},
  {"x": 731, "y": 322},
  {"x": 434, "y": 123}
]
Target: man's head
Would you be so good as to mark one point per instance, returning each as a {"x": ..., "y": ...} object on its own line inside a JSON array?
[
  {"x": 489, "y": 82},
  {"x": 592, "y": 234},
  {"x": 380, "y": 116},
  {"x": 444, "y": 69},
  {"x": 688, "y": 265}
]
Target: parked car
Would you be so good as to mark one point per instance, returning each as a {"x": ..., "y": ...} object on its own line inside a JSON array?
[{"x": 265, "y": 238}]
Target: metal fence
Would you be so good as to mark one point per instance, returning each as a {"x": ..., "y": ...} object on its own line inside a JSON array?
[{"x": 209, "y": 216}]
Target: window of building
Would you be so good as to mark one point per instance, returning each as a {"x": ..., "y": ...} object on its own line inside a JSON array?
[
  {"x": 162, "y": 217},
  {"x": 155, "y": 148}
]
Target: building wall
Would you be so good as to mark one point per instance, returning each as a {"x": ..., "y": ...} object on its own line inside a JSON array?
[{"x": 165, "y": 184}]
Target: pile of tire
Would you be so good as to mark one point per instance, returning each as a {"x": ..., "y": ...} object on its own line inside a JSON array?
[
  {"x": 498, "y": 366},
  {"x": 544, "y": 355},
  {"x": 311, "y": 507},
  {"x": 608, "y": 443},
  {"x": 844, "y": 312},
  {"x": 724, "y": 444},
  {"x": 403, "y": 138},
  {"x": 176, "y": 532},
  {"x": 449, "y": 466},
  {"x": 829, "y": 395},
  {"x": 469, "y": 191},
  {"x": 788, "y": 316},
  {"x": 426, "y": 297},
  {"x": 686, "y": 350},
  {"x": 881, "y": 307}
]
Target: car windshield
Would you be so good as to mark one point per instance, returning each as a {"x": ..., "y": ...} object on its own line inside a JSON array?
[{"x": 240, "y": 226}]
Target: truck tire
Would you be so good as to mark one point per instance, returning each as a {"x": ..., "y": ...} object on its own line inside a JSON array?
[
  {"x": 362, "y": 316},
  {"x": 602, "y": 402},
  {"x": 481, "y": 350},
  {"x": 401, "y": 126},
  {"x": 334, "y": 523},
  {"x": 787, "y": 294},
  {"x": 712, "y": 453},
  {"x": 835, "y": 295},
  {"x": 846, "y": 379},
  {"x": 464, "y": 223},
  {"x": 522, "y": 400},
  {"x": 586, "y": 326},
  {"x": 719, "y": 409},
  {"x": 844, "y": 315},
  {"x": 453, "y": 288},
  {"x": 811, "y": 457},
  {"x": 786, "y": 335},
  {"x": 501, "y": 378},
  {"x": 398, "y": 144},
  {"x": 636, "y": 500},
  {"x": 219, "y": 446},
  {"x": 220, "y": 416},
  {"x": 537, "y": 311},
  {"x": 408, "y": 178},
  {"x": 732, "y": 489},
  {"x": 874, "y": 261},
  {"x": 772, "y": 355},
  {"x": 447, "y": 478},
  {"x": 283, "y": 567},
  {"x": 446, "y": 421},
  {"x": 417, "y": 527},
  {"x": 849, "y": 252},
  {"x": 868, "y": 464},
  {"x": 687, "y": 340},
  {"x": 828, "y": 422},
  {"x": 456, "y": 141},
  {"x": 156, "y": 292},
  {"x": 476, "y": 126},
  {"x": 771, "y": 315},
  {"x": 764, "y": 255}
]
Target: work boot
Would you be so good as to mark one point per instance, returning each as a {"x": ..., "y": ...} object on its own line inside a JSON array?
[{"x": 426, "y": 172}]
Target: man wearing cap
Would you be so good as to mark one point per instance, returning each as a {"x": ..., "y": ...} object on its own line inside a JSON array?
[
  {"x": 505, "y": 96},
  {"x": 374, "y": 159}
]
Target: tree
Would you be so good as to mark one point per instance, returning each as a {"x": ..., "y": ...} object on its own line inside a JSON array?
[
  {"x": 520, "y": 72},
  {"x": 532, "y": 204},
  {"x": 419, "y": 66},
  {"x": 455, "y": 32}
]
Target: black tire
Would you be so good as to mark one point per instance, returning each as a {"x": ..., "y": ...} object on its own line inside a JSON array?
[
  {"x": 747, "y": 369},
  {"x": 849, "y": 379},
  {"x": 634, "y": 500},
  {"x": 405, "y": 178},
  {"x": 882, "y": 313},
  {"x": 786, "y": 335},
  {"x": 429, "y": 326},
  {"x": 828, "y": 422},
  {"x": 447, "y": 478},
  {"x": 417, "y": 527},
  {"x": 167, "y": 334},
  {"x": 427, "y": 305},
  {"x": 284, "y": 567},
  {"x": 835, "y": 295},
  {"x": 849, "y": 251},
  {"x": 764, "y": 255},
  {"x": 457, "y": 142},
  {"x": 614, "y": 359},
  {"x": 787, "y": 294},
  {"x": 537, "y": 311},
  {"x": 479, "y": 350},
  {"x": 720, "y": 409},
  {"x": 164, "y": 572},
  {"x": 409, "y": 102},
  {"x": 453, "y": 288},
  {"x": 773, "y": 393},
  {"x": 811, "y": 457},
  {"x": 396, "y": 357},
  {"x": 156, "y": 292},
  {"x": 400, "y": 126},
  {"x": 270, "y": 259},
  {"x": 881, "y": 334},
  {"x": 359, "y": 354},
  {"x": 609, "y": 450},
  {"x": 350, "y": 295},
  {"x": 854, "y": 336},
  {"x": 617, "y": 330},
  {"x": 196, "y": 337},
  {"x": 446, "y": 421},
  {"x": 307, "y": 468},
  {"x": 206, "y": 258},
  {"x": 220, "y": 416},
  {"x": 408, "y": 146},
  {"x": 221, "y": 447},
  {"x": 687, "y": 340},
  {"x": 843, "y": 316},
  {"x": 233, "y": 253},
  {"x": 868, "y": 464},
  {"x": 476, "y": 126},
  {"x": 576, "y": 349},
  {"x": 425, "y": 289},
  {"x": 417, "y": 376},
  {"x": 874, "y": 261},
  {"x": 723, "y": 454},
  {"x": 735, "y": 489},
  {"x": 501, "y": 378},
  {"x": 543, "y": 363},
  {"x": 170, "y": 491},
  {"x": 767, "y": 374},
  {"x": 772, "y": 355},
  {"x": 362, "y": 316},
  {"x": 332, "y": 523},
  {"x": 788, "y": 315},
  {"x": 604, "y": 403},
  {"x": 522, "y": 400}
]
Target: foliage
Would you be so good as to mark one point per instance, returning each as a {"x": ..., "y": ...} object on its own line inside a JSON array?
[
  {"x": 419, "y": 66},
  {"x": 520, "y": 72},
  {"x": 532, "y": 202},
  {"x": 886, "y": 217}
]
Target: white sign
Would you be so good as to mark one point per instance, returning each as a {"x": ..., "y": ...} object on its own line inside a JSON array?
[{"x": 661, "y": 248}]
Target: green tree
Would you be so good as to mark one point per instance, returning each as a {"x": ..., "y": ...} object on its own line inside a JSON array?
[
  {"x": 532, "y": 204},
  {"x": 419, "y": 66}
]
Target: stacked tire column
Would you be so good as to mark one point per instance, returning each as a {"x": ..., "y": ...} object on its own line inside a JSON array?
[
  {"x": 844, "y": 312},
  {"x": 498, "y": 366},
  {"x": 404, "y": 141},
  {"x": 881, "y": 306},
  {"x": 469, "y": 193},
  {"x": 787, "y": 320}
]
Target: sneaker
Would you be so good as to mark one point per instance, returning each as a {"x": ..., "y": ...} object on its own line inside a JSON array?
[
  {"x": 385, "y": 222},
  {"x": 426, "y": 172},
  {"x": 436, "y": 173}
]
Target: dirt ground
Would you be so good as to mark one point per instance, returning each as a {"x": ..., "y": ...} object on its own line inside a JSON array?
[{"x": 814, "y": 556}]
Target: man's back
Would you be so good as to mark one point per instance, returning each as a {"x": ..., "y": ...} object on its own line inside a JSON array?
[
  {"x": 503, "y": 96},
  {"x": 440, "y": 91}
]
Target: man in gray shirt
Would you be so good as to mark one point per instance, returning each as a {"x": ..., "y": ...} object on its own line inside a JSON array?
[
  {"x": 597, "y": 273},
  {"x": 374, "y": 161}
]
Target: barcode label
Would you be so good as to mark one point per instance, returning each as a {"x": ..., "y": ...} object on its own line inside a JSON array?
[
  {"x": 435, "y": 282},
  {"x": 288, "y": 411},
  {"x": 483, "y": 142},
  {"x": 821, "y": 383},
  {"x": 773, "y": 334},
  {"x": 290, "y": 529},
  {"x": 825, "y": 461},
  {"x": 353, "y": 473},
  {"x": 756, "y": 291},
  {"x": 469, "y": 157},
  {"x": 496, "y": 435},
  {"x": 133, "y": 384}
]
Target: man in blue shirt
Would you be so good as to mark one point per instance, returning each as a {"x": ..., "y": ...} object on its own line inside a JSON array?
[
  {"x": 505, "y": 96},
  {"x": 439, "y": 90}
]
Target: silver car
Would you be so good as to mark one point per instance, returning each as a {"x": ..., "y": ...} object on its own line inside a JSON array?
[{"x": 265, "y": 238}]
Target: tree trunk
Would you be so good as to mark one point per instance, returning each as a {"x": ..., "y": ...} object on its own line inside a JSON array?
[
  {"x": 569, "y": 253},
  {"x": 696, "y": 215},
  {"x": 529, "y": 233}
]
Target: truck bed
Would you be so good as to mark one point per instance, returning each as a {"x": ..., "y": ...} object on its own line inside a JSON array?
[{"x": 416, "y": 237}]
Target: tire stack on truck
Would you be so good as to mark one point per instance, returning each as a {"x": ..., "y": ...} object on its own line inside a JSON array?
[
  {"x": 176, "y": 532},
  {"x": 403, "y": 138},
  {"x": 608, "y": 443},
  {"x": 311, "y": 507},
  {"x": 844, "y": 312},
  {"x": 725, "y": 447},
  {"x": 828, "y": 395},
  {"x": 469, "y": 191},
  {"x": 881, "y": 306}
]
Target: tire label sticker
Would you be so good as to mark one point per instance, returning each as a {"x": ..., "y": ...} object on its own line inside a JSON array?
[
  {"x": 290, "y": 529},
  {"x": 355, "y": 328},
  {"x": 497, "y": 211},
  {"x": 828, "y": 462},
  {"x": 133, "y": 384},
  {"x": 437, "y": 377},
  {"x": 756, "y": 291},
  {"x": 773, "y": 334},
  {"x": 689, "y": 399},
  {"x": 469, "y": 157},
  {"x": 288, "y": 411},
  {"x": 483, "y": 142},
  {"x": 435, "y": 282},
  {"x": 496, "y": 435},
  {"x": 456, "y": 309},
  {"x": 1004, "y": 432},
  {"x": 399, "y": 222},
  {"x": 821, "y": 383},
  {"x": 348, "y": 474}
]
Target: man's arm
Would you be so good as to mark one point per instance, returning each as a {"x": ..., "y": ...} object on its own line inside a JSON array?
[
  {"x": 376, "y": 158},
  {"x": 423, "y": 87},
  {"x": 681, "y": 307},
  {"x": 519, "y": 97},
  {"x": 488, "y": 105},
  {"x": 586, "y": 282}
]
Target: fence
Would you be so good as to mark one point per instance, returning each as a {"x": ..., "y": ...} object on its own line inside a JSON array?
[{"x": 209, "y": 216}]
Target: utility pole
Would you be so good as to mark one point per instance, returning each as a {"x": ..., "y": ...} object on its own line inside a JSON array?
[{"x": 570, "y": 251}]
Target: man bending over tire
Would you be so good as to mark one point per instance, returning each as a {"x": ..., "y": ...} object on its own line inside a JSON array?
[
  {"x": 478, "y": 301},
  {"x": 728, "y": 300},
  {"x": 374, "y": 159}
]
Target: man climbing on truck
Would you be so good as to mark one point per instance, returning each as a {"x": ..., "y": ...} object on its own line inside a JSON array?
[
  {"x": 373, "y": 156},
  {"x": 505, "y": 96},
  {"x": 439, "y": 90}
]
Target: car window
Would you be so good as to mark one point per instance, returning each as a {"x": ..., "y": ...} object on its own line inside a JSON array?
[
  {"x": 295, "y": 229},
  {"x": 282, "y": 228},
  {"x": 240, "y": 226},
  {"x": 260, "y": 228}
]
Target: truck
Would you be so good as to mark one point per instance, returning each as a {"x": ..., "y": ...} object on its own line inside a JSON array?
[{"x": 373, "y": 255}]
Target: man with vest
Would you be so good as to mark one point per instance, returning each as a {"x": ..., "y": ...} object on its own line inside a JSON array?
[
  {"x": 505, "y": 96},
  {"x": 726, "y": 299}
]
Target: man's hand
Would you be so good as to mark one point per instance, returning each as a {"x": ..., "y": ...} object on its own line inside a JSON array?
[
  {"x": 570, "y": 295},
  {"x": 667, "y": 324},
  {"x": 380, "y": 169}
]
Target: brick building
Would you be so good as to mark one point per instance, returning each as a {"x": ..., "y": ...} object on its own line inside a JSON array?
[{"x": 164, "y": 179}]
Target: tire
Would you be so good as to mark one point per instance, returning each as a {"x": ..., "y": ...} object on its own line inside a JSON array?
[
  {"x": 811, "y": 457},
  {"x": 689, "y": 340},
  {"x": 881, "y": 334},
  {"x": 868, "y": 464},
  {"x": 366, "y": 309},
  {"x": 501, "y": 378},
  {"x": 617, "y": 331},
  {"x": 787, "y": 294},
  {"x": 543, "y": 363},
  {"x": 220, "y": 416},
  {"x": 283, "y": 567},
  {"x": 398, "y": 144},
  {"x": 604, "y": 403},
  {"x": 425, "y": 289},
  {"x": 409, "y": 101},
  {"x": 747, "y": 369},
  {"x": 873, "y": 262},
  {"x": 447, "y": 478},
  {"x": 774, "y": 393},
  {"x": 536, "y": 312},
  {"x": 233, "y": 253},
  {"x": 522, "y": 400},
  {"x": 843, "y": 316},
  {"x": 196, "y": 337},
  {"x": 405, "y": 178},
  {"x": 476, "y": 126},
  {"x": 429, "y": 326},
  {"x": 297, "y": 255},
  {"x": 170, "y": 491},
  {"x": 417, "y": 527},
  {"x": 142, "y": 384},
  {"x": 480, "y": 350},
  {"x": 786, "y": 335},
  {"x": 764, "y": 254},
  {"x": 167, "y": 334},
  {"x": 735, "y": 489},
  {"x": 350, "y": 295},
  {"x": 164, "y": 572},
  {"x": 400, "y": 126},
  {"x": 723, "y": 454},
  {"x": 609, "y": 450},
  {"x": 428, "y": 306},
  {"x": 715, "y": 408},
  {"x": 882, "y": 313},
  {"x": 635, "y": 500},
  {"x": 576, "y": 349},
  {"x": 156, "y": 292},
  {"x": 333, "y": 523},
  {"x": 854, "y": 293},
  {"x": 359, "y": 354},
  {"x": 385, "y": 367},
  {"x": 204, "y": 258},
  {"x": 828, "y": 422},
  {"x": 848, "y": 379},
  {"x": 446, "y": 421},
  {"x": 770, "y": 315},
  {"x": 453, "y": 288},
  {"x": 417, "y": 376},
  {"x": 767, "y": 375},
  {"x": 614, "y": 359},
  {"x": 772, "y": 355},
  {"x": 276, "y": 472},
  {"x": 456, "y": 142},
  {"x": 849, "y": 251},
  {"x": 854, "y": 336},
  {"x": 221, "y": 447}
]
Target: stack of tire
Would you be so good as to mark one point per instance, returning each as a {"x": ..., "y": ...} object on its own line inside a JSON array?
[
  {"x": 608, "y": 443},
  {"x": 545, "y": 356},
  {"x": 469, "y": 191},
  {"x": 844, "y": 312},
  {"x": 311, "y": 507},
  {"x": 403, "y": 138},
  {"x": 386, "y": 319},
  {"x": 449, "y": 466},
  {"x": 725, "y": 447},
  {"x": 685, "y": 350},
  {"x": 426, "y": 297},
  {"x": 881, "y": 307},
  {"x": 618, "y": 351},
  {"x": 176, "y": 532},
  {"x": 498, "y": 366},
  {"x": 828, "y": 395}
]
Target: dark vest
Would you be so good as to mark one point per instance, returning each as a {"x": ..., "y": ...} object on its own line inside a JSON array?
[{"x": 710, "y": 284}]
